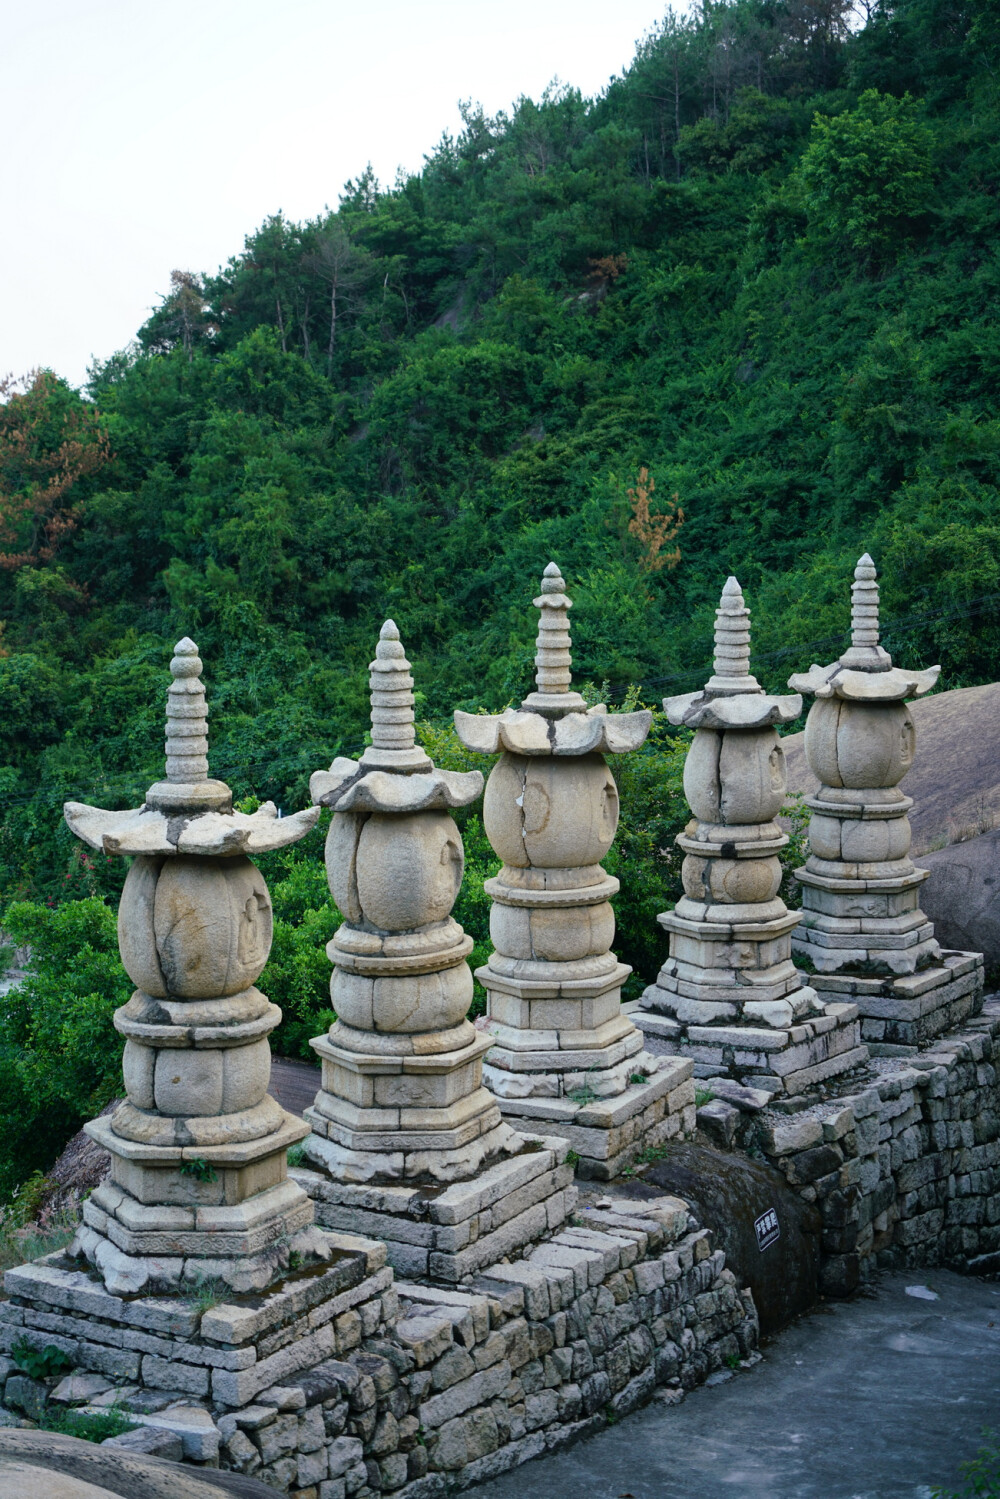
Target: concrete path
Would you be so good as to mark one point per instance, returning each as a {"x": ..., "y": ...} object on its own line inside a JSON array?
[
  {"x": 876, "y": 1398},
  {"x": 294, "y": 1084}
]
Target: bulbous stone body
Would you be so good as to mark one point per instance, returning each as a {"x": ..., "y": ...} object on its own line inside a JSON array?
[
  {"x": 402, "y": 1005},
  {"x": 194, "y": 934},
  {"x": 731, "y": 881},
  {"x": 551, "y": 820},
  {"x": 859, "y": 745},
  {"x": 856, "y": 840},
  {"x": 196, "y": 1083},
  {"x": 551, "y": 934},
  {"x": 735, "y": 778},
  {"x": 194, "y": 928},
  {"x": 548, "y": 813},
  {"x": 394, "y": 872}
]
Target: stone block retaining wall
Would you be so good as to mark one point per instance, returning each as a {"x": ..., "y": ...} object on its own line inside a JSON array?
[
  {"x": 906, "y": 1171},
  {"x": 351, "y": 1383}
]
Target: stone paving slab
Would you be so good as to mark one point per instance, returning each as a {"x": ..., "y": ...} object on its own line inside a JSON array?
[{"x": 876, "y": 1398}]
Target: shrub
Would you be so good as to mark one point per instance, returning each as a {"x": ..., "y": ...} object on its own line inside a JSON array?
[
  {"x": 60, "y": 1055},
  {"x": 39, "y": 1363},
  {"x": 89, "y": 1426},
  {"x": 981, "y": 1473},
  {"x": 867, "y": 171}
]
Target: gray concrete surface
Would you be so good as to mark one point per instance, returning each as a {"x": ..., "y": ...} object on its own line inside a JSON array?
[
  {"x": 876, "y": 1398},
  {"x": 294, "y": 1084}
]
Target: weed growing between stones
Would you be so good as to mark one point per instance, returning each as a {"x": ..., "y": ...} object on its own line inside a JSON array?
[
  {"x": 582, "y": 1095},
  {"x": 981, "y": 1473},
  {"x": 200, "y": 1169},
  {"x": 89, "y": 1426},
  {"x": 208, "y": 1293},
  {"x": 40, "y": 1363},
  {"x": 646, "y": 1158},
  {"x": 27, "y": 1231}
]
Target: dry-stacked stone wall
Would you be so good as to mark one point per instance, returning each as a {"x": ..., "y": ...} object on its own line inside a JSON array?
[
  {"x": 387, "y": 1386},
  {"x": 905, "y": 1172}
]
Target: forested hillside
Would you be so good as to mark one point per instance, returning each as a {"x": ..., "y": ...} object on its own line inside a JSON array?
[{"x": 738, "y": 314}]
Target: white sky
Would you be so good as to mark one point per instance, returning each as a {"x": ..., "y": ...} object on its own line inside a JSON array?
[{"x": 143, "y": 136}]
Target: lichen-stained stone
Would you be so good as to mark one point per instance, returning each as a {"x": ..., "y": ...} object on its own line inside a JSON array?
[
  {"x": 401, "y": 987},
  {"x": 553, "y": 984},
  {"x": 198, "y": 1127},
  {"x": 193, "y": 927},
  {"x": 402, "y": 1104},
  {"x": 862, "y": 927},
  {"x": 729, "y": 996}
]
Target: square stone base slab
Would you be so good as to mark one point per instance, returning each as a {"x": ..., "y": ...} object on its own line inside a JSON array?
[
  {"x": 903, "y": 1015},
  {"x": 448, "y": 1233},
  {"x": 607, "y": 1134},
  {"x": 785, "y": 1062},
  {"x": 226, "y": 1354}
]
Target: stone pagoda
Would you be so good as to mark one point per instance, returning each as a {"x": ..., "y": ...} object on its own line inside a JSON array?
[
  {"x": 729, "y": 993},
  {"x": 412, "y": 1147},
  {"x": 862, "y": 928},
  {"x": 565, "y": 1057},
  {"x": 198, "y": 1188}
]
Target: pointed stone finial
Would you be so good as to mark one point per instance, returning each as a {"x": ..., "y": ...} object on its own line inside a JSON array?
[
  {"x": 864, "y": 604},
  {"x": 553, "y": 661},
  {"x": 552, "y": 649},
  {"x": 732, "y": 633},
  {"x": 187, "y": 717},
  {"x": 391, "y": 693},
  {"x": 394, "y": 740},
  {"x": 732, "y": 644},
  {"x": 865, "y": 653}
]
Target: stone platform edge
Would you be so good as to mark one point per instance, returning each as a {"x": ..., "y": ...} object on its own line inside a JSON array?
[
  {"x": 905, "y": 1171},
  {"x": 448, "y": 1233},
  {"x": 349, "y": 1382}
]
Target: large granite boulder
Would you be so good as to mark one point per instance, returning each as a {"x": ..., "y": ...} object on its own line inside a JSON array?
[
  {"x": 731, "y": 1193},
  {"x": 962, "y": 896}
]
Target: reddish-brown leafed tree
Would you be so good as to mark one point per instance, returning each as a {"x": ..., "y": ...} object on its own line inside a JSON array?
[{"x": 50, "y": 439}]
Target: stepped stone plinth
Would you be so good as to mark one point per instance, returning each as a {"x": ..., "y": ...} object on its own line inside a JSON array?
[
  {"x": 199, "y": 1188},
  {"x": 729, "y": 996},
  {"x": 862, "y": 929},
  {"x": 565, "y": 1057},
  {"x": 412, "y": 1145}
]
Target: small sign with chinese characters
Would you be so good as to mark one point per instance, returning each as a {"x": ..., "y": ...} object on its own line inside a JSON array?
[{"x": 766, "y": 1228}]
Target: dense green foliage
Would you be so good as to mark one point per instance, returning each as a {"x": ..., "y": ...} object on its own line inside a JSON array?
[
  {"x": 60, "y": 1057},
  {"x": 762, "y": 267}
]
